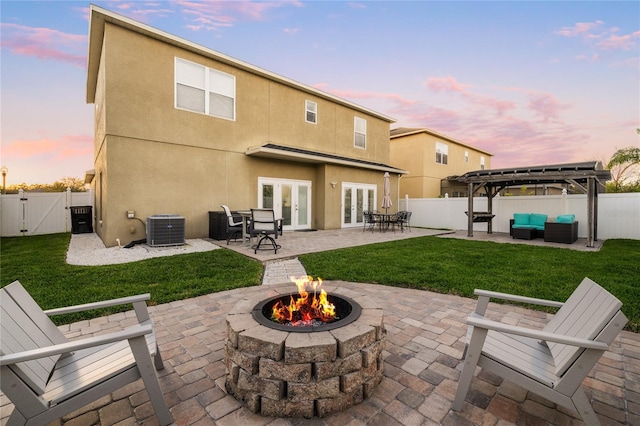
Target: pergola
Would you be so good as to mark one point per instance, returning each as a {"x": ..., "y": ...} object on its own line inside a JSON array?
[{"x": 586, "y": 177}]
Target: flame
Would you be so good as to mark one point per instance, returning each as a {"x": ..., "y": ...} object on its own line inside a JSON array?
[{"x": 307, "y": 307}]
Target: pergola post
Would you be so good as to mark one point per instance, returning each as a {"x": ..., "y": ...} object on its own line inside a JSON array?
[
  {"x": 470, "y": 211},
  {"x": 489, "y": 191},
  {"x": 590, "y": 212}
]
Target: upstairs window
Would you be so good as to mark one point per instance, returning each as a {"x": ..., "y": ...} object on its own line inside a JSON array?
[
  {"x": 481, "y": 163},
  {"x": 205, "y": 90},
  {"x": 442, "y": 153},
  {"x": 466, "y": 156},
  {"x": 360, "y": 132},
  {"x": 311, "y": 112}
]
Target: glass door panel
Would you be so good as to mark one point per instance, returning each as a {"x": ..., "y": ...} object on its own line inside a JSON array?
[
  {"x": 289, "y": 199},
  {"x": 303, "y": 206},
  {"x": 356, "y": 199}
]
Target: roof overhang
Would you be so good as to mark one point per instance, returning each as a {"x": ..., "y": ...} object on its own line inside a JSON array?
[
  {"x": 89, "y": 175},
  {"x": 280, "y": 152}
]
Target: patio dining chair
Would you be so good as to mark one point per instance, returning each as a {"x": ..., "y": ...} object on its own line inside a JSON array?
[
  {"x": 234, "y": 229},
  {"x": 551, "y": 362},
  {"x": 370, "y": 221},
  {"x": 47, "y": 376},
  {"x": 263, "y": 225}
]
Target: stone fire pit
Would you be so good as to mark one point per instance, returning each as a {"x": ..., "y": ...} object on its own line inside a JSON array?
[{"x": 290, "y": 374}]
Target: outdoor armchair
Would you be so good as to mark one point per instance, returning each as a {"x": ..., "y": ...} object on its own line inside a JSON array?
[
  {"x": 46, "y": 376},
  {"x": 551, "y": 362}
]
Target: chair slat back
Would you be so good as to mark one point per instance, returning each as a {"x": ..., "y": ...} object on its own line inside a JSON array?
[
  {"x": 263, "y": 220},
  {"x": 24, "y": 327},
  {"x": 585, "y": 314}
]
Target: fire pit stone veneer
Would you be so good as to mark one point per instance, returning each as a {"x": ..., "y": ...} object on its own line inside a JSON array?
[{"x": 287, "y": 374}]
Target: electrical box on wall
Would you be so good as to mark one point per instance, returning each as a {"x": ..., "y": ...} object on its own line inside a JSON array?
[{"x": 131, "y": 214}]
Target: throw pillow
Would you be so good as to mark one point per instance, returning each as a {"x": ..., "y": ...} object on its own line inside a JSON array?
[
  {"x": 521, "y": 218},
  {"x": 566, "y": 218}
]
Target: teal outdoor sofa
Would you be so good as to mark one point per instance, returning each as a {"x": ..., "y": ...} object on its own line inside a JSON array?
[{"x": 563, "y": 229}]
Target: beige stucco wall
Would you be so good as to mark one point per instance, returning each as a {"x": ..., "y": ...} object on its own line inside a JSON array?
[
  {"x": 153, "y": 158},
  {"x": 417, "y": 153}
]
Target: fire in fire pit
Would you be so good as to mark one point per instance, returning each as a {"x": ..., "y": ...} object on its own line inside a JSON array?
[{"x": 312, "y": 309}]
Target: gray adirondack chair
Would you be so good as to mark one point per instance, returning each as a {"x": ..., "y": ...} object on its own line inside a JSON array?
[
  {"x": 551, "y": 362},
  {"x": 46, "y": 376}
]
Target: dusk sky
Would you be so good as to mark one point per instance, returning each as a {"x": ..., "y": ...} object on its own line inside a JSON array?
[{"x": 531, "y": 82}]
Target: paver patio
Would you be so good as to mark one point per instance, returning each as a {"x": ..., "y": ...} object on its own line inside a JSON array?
[{"x": 422, "y": 358}]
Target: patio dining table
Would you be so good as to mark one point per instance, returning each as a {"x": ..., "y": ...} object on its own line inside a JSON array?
[{"x": 384, "y": 220}]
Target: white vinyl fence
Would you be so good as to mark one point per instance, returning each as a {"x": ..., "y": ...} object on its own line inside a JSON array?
[
  {"x": 618, "y": 214},
  {"x": 36, "y": 213}
]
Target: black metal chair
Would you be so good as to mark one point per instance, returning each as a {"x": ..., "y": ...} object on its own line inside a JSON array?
[
  {"x": 263, "y": 225},
  {"x": 370, "y": 221},
  {"x": 404, "y": 220},
  {"x": 233, "y": 228}
]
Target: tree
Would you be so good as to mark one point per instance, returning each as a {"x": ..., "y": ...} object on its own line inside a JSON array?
[
  {"x": 75, "y": 184},
  {"x": 624, "y": 166}
]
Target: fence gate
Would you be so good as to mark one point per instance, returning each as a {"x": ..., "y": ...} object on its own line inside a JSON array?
[{"x": 39, "y": 213}]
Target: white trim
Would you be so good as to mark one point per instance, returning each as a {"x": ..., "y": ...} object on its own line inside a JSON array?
[{"x": 307, "y": 110}]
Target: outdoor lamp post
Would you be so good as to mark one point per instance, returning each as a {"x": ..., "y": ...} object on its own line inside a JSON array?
[{"x": 4, "y": 171}]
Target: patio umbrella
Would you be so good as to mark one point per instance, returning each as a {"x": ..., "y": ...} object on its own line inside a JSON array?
[{"x": 386, "y": 200}]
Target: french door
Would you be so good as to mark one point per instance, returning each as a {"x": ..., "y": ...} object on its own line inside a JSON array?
[
  {"x": 289, "y": 199},
  {"x": 356, "y": 198}
]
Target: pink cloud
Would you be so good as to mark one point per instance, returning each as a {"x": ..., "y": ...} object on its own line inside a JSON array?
[
  {"x": 451, "y": 85},
  {"x": 546, "y": 106},
  {"x": 69, "y": 146},
  {"x": 44, "y": 43},
  {"x": 604, "y": 39},
  {"x": 445, "y": 84},
  {"x": 579, "y": 29},
  {"x": 614, "y": 42},
  {"x": 212, "y": 15}
]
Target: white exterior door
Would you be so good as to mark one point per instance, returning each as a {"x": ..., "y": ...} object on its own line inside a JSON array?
[
  {"x": 289, "y": 199},
  {"x": 356, "y": 198}
]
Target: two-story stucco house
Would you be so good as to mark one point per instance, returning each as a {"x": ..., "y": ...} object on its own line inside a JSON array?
[
  {"x": 431, "y": 158},
  {"x": 181, "y": 129}
]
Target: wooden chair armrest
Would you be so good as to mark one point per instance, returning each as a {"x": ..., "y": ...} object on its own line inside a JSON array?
[
  {"x": 98, "y": 305},
  {"x": 483, "y": 323},
  {"x": 63, "y": 348},
  {"x": 516, "y": 298}
]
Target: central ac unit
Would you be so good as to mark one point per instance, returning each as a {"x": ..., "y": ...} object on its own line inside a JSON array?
[{"x": 165, "y": 230}]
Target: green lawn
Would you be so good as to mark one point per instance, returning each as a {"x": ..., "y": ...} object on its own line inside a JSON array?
[
  {"x": 430, "y": 263},
  {"x": 459, "y": 266},
  {"x": 38, "y": 262}
]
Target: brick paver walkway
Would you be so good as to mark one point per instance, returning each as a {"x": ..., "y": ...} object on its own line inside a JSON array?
[{"x": 422, "y": 364}]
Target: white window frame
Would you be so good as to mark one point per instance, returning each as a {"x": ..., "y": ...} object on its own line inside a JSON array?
[
  {"x": 359, "y": 132},
  {"x": 482, "y": 163},
  {"x": 466, "y": 156},
  {"x": 226, "y": 87},
  {"x": 442, "y": 153},
  {"x": 310, "y": 107}
]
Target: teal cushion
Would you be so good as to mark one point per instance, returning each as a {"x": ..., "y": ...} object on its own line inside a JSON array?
[
  {"x": 566, "y": 218},
  {"x": 538, "y": 227},
  {"x": 538, "y": 220},
  {"x": 521, "y": 218},
  {"x": 522, "y": 226}
]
